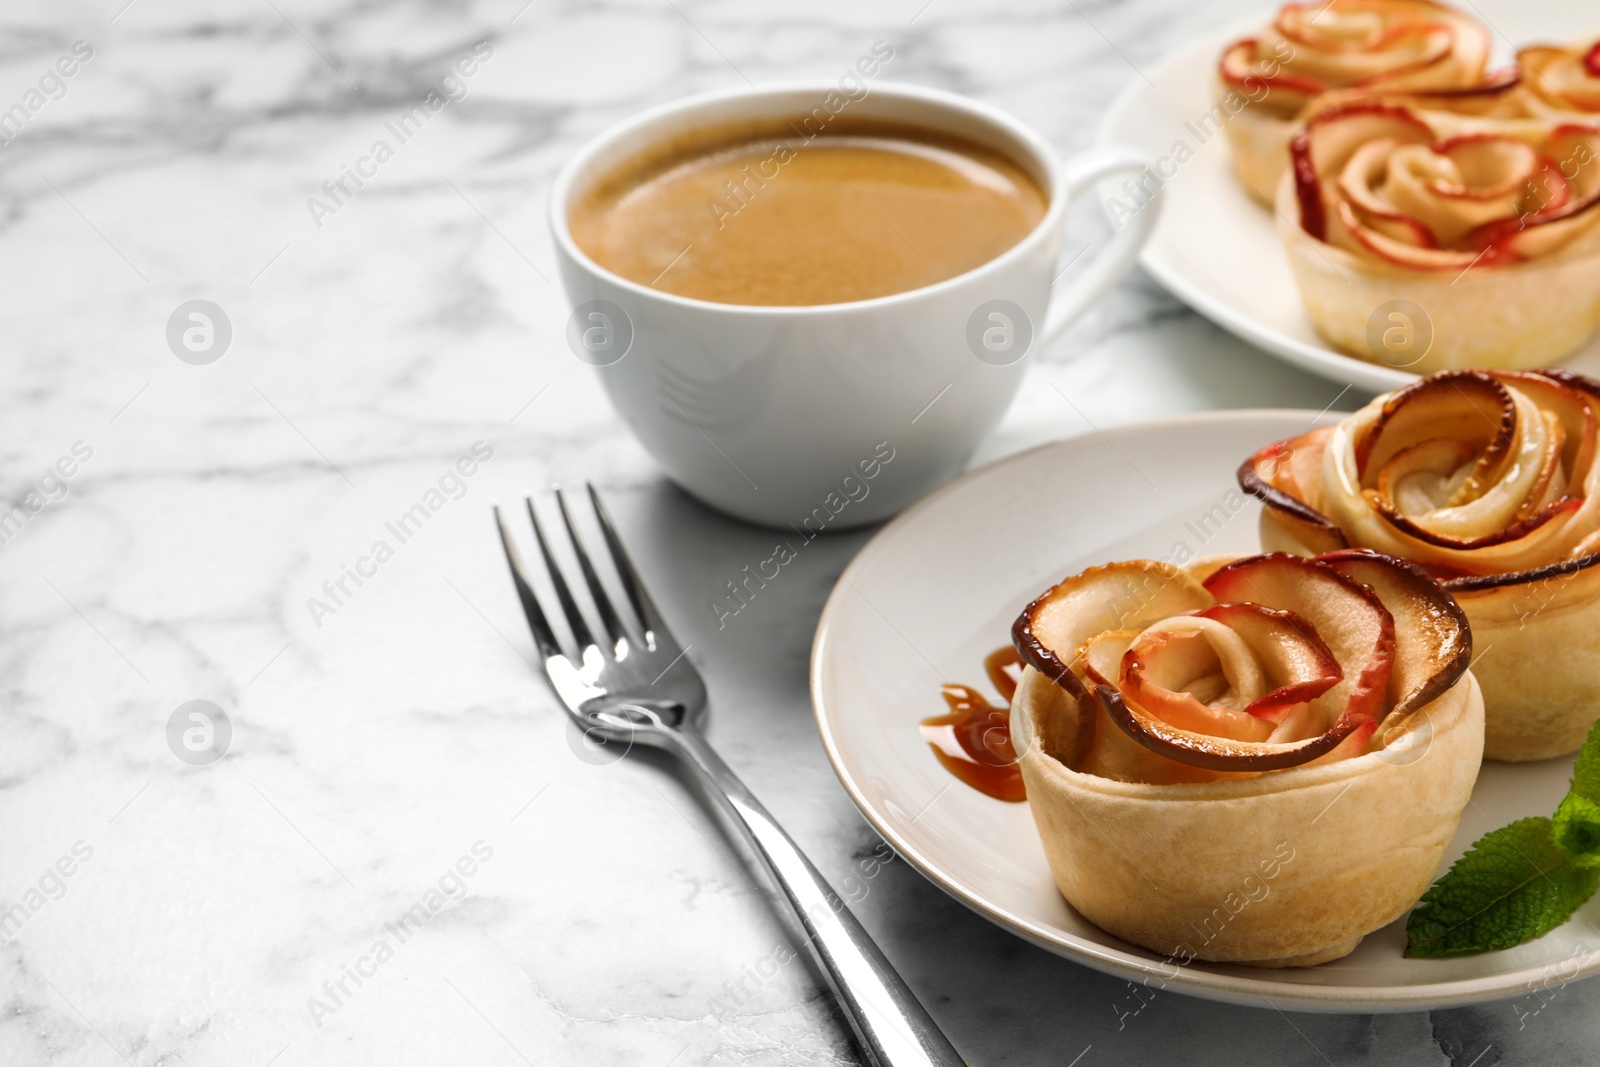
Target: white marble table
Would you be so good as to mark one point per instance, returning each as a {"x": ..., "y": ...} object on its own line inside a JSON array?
[{"x": 214, "y": 914}]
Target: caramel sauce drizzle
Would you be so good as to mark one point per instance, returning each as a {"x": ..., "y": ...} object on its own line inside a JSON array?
[{"x": 973, "y": 739}]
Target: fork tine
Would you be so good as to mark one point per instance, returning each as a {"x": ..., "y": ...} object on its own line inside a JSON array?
[
  {"x": 575, "y": 619},
  {"x": 543, "y": 636},
  {"x": 655, "y": 627},
  {"x": 597, "y": 592}
]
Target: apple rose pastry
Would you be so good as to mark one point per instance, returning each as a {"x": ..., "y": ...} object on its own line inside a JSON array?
[
  {"x": 1262, "y": 766},
  {"x": 1264, "y": 82},
  {"x": 1489, "y": 481},
  {"x": 1477, "y": 250}
]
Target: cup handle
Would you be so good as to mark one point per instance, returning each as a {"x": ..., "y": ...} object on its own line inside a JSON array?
[{"x": 1113, "y": 261}]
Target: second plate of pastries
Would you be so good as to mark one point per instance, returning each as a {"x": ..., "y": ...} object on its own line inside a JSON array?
[
  {"x": 1378, "y": 189},
  {"x": 1211, "y": 702}
]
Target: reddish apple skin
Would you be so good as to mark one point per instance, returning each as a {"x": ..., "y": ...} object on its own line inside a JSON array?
[
  {"x": 1370, "y": 686},
  {"x": 1292, "y": 82},
  {"x": 1272, "y": 705},
  {"x": 1308, "y": 188}
]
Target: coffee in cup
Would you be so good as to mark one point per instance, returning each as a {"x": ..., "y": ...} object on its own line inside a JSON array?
[{"x": 767, "y": 214}]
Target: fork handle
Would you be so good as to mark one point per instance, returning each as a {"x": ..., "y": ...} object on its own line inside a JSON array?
[{"x": 892, "y": 1027}]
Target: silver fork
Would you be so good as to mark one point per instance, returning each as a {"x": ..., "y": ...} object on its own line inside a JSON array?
[{"x": 635, "y": 684}]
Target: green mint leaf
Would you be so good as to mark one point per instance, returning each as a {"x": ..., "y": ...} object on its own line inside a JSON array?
[
  {"x": 1576, "y": 828},
  {"x": 1586, "y": 771},
  {"x": 1512, "y": 886}
]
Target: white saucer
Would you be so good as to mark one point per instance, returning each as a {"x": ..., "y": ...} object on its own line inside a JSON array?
[{"x": 938, "y": 588}]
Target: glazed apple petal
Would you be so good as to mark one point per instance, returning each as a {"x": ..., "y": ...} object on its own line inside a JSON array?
[
  {"x": 1427, "y": 475},
  {"x": 1347, "y": 616},
  {"x": 1304, "y": 459},
  {"x": 1353, "y": 744},
  {"x": 1100, "y": 658},
  {"x": 1205, "y": 750},
  {"x": 1196, "y": 674},
  {"x": 1243, "y": 67},
  {"x": 1514, "y": 490},
  {"x": 1319, "y": 152},
  {"x": 1556, "y": 222},
  {"x": 1470, "y": 406},
  {"x": 1573, "y": 147},
  {"x": 1575, "y": 410},
  {"x": 1503, "y": 433},
  {"x": 1419, "y": 253},
  {"x": 1485, "y": 167},
  {"x": 1117, "y": 596},
  {"x": 1369, "y": 184},
  {"x": 1549, "y": 488},
  {"x": 1286, "y": 476},
  {"x": 1432, "y": 640},
  {"x": 1545, "y": 525},
  {"x": 1185, "y": 651},
  {"x": 1298, "y": 722},
  {"x": 1459, "y": 186},
  {"x": 1296, "y": 665}
]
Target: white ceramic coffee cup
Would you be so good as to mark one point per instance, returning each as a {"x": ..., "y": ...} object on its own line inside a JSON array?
[{"x": 833, "y": 415}]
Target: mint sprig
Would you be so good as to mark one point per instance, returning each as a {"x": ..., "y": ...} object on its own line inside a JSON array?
[
  {"x": 1513, "y": 885},
  {"x": 1519, "y": 882}
]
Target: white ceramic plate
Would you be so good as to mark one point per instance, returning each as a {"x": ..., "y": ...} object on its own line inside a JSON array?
[
  {"x": 1215, "y": 248},
  {"x": 937, "y": 589}
]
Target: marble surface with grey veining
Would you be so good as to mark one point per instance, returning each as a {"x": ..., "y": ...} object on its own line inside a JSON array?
[{"x": 181, "y": 523}]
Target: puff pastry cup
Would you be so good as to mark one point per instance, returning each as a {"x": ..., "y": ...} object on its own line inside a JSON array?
[
  {"x": 1265, "y": 82},
  {"x": 1259, "y": 762},
  {"x": 1488, "y": 480},
  {"x": 1432, "y": 252}
]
